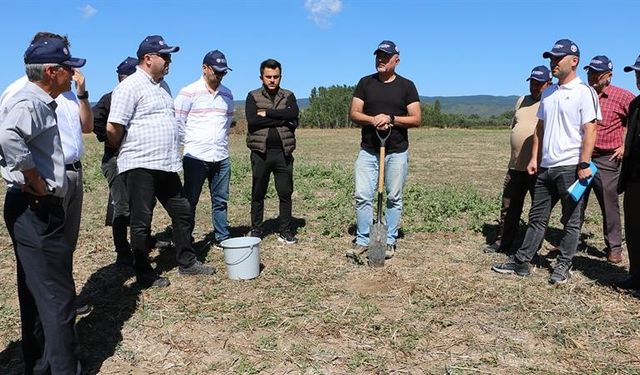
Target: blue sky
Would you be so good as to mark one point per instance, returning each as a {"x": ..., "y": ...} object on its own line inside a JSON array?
[{"x": 456, "y": 47}]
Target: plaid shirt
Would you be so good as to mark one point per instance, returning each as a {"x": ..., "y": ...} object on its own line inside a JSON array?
[
  {"x": 145, "y": 109},
  {"x": 614, "y": 102}
]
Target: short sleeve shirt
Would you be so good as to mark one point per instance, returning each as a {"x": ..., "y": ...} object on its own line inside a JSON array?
[{"x": 391, "y": 98}]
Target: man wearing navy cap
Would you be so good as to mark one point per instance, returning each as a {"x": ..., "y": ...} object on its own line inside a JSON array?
[
  {"x": 33, "y": 164},
  {"x": 204, "y": 110},
  {"x": 629, "y": 184},
  {"x": 142, "y": 124},
  {"x": 383, "y": 102},
  {"x": 518, "y": 181},
  {"x": 560, "y": 153},
  {"x": 608, "y": 151}
]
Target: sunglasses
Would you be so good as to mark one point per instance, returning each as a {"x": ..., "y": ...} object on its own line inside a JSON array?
[
  {"x": 163, "y": 56},
  {"x": 217, "y": 73}
]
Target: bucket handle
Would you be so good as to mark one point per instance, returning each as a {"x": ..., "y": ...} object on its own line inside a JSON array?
[{"x": 243, "y": 258}]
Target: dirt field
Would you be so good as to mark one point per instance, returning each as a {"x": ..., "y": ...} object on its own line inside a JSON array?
[{"x": 436, "y": 308}]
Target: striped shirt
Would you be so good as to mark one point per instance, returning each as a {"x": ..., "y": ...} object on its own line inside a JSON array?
[
  {"x": 614, "y": 102},
  {"x": 145, "y": 109},
  {"x": 204, "y": 118}
]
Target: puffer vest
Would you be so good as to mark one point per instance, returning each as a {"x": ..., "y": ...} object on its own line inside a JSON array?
[{"x": 257, "y": 140}]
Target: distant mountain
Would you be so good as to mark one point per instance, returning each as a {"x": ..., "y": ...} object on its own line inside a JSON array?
[{"x": 482, "y": 105}]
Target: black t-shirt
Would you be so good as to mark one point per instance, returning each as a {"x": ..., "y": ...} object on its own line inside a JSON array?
[{"x": 390, "y": 98}]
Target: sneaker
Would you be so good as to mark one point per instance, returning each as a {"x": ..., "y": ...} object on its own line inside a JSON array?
[
  {"x": 287, "y": 238},
  {"x": 390, "y": 251},
  {"x": 492, "y": 248},
  {"x": 151, "y": 280},
  {"x": 512, "y": 266},
  {"x": 160, "y": 244},
  {"x": 83, "y": 309},
  {"x": 216, "y": 245},
  {"x": 196, "y": 268},
  {"x": 356, "y": 251},
  {"x": 255, "y": 232},
  {"x": 615, "y": 256},
  {"x": 560, "y": 274}
]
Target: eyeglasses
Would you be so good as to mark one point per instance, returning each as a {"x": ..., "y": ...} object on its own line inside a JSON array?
[{"x": 64, "y": 67}]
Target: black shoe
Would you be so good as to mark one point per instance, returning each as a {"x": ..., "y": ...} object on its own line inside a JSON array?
[
  {"x": 287, "y": 238},
  {"x": 512, "y": 266},
  {"x": 124, "y": 259},
  {"x": 151, "y": 280},
  {"x": 560, "y": 274},
  {"x": 83, "y": 309},
  {"x": 160, "y": 244},
  {"x": 196, "y": 268},
  {"x": 630, "y": 283},
  {"x": 255, "y": 232}
]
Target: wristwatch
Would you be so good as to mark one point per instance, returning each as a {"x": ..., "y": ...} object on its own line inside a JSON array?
[
  {"x": 583, "y": 165},
  {"x": 85, "y": 96}
]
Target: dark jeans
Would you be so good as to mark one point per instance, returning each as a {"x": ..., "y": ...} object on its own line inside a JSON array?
[
  {"x": 46, "y": 290},
  {"x": 516, "y": 186},
  {"x": 262, "y": 165},
  {"x": 632, "y": 226},
  {"x": 218, "y": 175},
  {"x": 119, "y": 201},
  {"x": 605, "y": 185},
  {"x": 144, "y": 186},
  {"x": 551, "y": 185}
]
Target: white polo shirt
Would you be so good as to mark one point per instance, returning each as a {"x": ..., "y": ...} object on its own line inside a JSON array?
[{"x": 564, "y": 109}]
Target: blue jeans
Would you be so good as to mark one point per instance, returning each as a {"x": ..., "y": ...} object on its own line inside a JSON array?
[
  {"x": 366, "y": 176},
  {"x": 218, "y": 174}
]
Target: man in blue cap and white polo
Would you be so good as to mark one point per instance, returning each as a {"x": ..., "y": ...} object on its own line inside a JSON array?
[
  {"x": 142, "y": 124},
  {"x": 564, "y": 140},
  {"x": 34, "y": 169},
  {"x": 518, "y": 182}
]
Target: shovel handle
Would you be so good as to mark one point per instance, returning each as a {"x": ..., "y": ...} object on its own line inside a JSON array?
[{"x": 381, "y": 173}]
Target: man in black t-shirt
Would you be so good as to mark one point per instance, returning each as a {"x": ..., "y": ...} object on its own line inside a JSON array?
[{"x": 382, "y": 102}]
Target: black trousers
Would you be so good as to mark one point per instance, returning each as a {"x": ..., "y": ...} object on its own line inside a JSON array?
[
  {"x": 144, "y": 186},
  {"x": 516, "y": 186},
  {"x": 262, "y": 166},
  {"x": 632, "y": 226},
  {"x": 46, "y": 290}
]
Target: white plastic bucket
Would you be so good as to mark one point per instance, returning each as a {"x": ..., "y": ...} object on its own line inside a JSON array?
[{"x": 242, "y": 257}]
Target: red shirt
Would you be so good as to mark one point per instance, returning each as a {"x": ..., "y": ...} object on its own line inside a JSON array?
[{"x": 614, "y": 103}]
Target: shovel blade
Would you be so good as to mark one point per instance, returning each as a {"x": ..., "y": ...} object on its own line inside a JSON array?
[{"x": 377, "y": 244}]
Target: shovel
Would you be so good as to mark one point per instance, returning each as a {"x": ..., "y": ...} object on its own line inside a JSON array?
[{"x": 378, "y": 230}]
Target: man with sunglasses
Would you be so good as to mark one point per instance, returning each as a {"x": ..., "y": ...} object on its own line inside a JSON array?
[
  {"x": 608, "y": 151},
  {"x": 33, "y": 161},
  {"x": 142, "y": 124},
  {"x": 204, "y": 110},
  {"x": 382, "y": 102}
]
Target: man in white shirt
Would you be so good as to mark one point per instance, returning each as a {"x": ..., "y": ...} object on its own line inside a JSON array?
[
  {"x": 74, "y": 117},
  {"x": 204, "y": 110},
  {"x": 564, "y": 141}
]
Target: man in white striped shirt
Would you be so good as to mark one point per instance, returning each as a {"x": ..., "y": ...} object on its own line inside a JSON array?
[
  {"x": 142, "y": 122},
  {"x": 204, "y": 110}
]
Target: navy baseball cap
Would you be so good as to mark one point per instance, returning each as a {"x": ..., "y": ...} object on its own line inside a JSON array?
[
  {"x": 128, "y": 66},
  {"x": 563, "y": 47},
  {"x": 600, "y": 63},
  {"x": 540, "y": 73},
  {"x": 216, "y": 60},
  {"x": 51, "y": 51},
  {"x": 387, "y": 46},
  {"x": 155, "y": 44},
  {"x": 635, "y": 66}
]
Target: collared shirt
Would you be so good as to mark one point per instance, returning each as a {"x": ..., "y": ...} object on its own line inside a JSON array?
[
  {"x": 614, "y": 102},
  {"x": 523, "y": 126},
  {"x": 564, "y": 110},
  {"x": 145, "y": 109},
  {"x": 29, "y": 139},
  {"x": 204, "y": 118},
  {"x": 68, "y": 113}
]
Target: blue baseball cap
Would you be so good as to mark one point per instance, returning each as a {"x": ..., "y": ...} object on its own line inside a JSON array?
[
  {"x": 635, "y": 66},
  {"x": 540, "y": 73},
  {"x": 216, "y": 60},
  {"x": 128, "y": 66},
  {"x": 51, "y": 51},
  {"x": 388, "y": 47},
  {"x": 563, "y": 47},
  {"x": 155, "y": 44},
  {"x": 600, "y": 63}
]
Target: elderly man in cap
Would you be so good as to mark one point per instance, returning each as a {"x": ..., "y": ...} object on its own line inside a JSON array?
[
  {"x": 608, "y": 151},
  {"x": 142, "y": 124},
  {"x": 563, "y": 140},
  {"x": 204, "y": 110},
  {"x": 383, "y": 103},
  {"x": 629, "y": 184},
  {"x": 32, "y": 157},
  {"x": 518, "y": 181}
]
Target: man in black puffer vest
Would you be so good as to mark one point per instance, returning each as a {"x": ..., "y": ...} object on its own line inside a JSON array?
[{"x": 272, "y": 117}]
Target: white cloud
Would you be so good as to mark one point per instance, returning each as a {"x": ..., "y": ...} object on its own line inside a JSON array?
[
  {"x": 321, "y": 10},
  {"x": 88, "y": 11}
]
